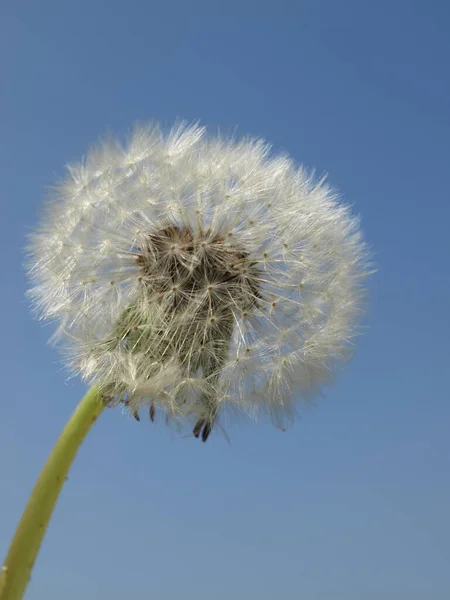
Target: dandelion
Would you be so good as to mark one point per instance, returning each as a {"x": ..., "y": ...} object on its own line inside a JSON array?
[
  {"x": 197, "y": 276},
  {"x": 193, "y": 275}
]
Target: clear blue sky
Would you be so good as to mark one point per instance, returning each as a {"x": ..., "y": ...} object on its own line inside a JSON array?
[{"x": 353, "y": 502}]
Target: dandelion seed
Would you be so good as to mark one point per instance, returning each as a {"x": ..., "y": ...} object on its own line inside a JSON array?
[{"x": 213, "y": 276}]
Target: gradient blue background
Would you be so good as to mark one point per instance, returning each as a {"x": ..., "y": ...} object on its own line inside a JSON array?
[{"x": 353, "y": 502}]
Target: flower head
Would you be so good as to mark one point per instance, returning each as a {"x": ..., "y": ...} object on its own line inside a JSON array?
[{"x": 190, "y": 274}]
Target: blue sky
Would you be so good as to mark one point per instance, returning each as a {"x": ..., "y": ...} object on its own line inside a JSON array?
[{"x": 353, "y": 501}]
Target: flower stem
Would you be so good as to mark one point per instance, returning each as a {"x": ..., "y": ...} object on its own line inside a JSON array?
[{"x": 25, "y": 545}]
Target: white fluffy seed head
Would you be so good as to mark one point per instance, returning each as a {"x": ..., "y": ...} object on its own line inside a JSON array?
[{"x": 193, "y": 273}]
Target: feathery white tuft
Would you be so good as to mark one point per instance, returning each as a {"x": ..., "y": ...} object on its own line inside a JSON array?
[{"x": 191, "y": 274}]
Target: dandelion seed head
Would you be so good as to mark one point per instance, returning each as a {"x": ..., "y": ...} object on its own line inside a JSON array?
[{"x": 197, "y": 275}]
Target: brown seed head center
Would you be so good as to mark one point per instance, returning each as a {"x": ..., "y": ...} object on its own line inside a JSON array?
[{"x": 188, "y": 264}]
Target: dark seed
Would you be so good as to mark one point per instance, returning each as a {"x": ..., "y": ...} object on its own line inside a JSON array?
[
  {"x": 206, "y": 431},
  {"x": 198, "y": 427}
]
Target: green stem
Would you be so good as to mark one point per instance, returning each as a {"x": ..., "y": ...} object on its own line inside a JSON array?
[{"x": 25, "y": 545}]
